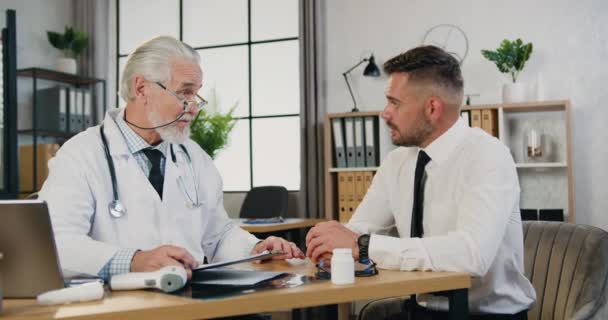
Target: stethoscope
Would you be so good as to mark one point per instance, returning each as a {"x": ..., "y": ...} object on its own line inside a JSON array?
[{"x": 117, "y": 209}]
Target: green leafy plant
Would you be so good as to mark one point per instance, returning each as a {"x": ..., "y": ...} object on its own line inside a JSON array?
[
  {"x": 510, "y": 57},
  {"x": 211, "y": 130},
  {"x": 71, "y": 42}
]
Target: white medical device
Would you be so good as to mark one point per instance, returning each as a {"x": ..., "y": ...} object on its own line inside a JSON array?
[
  {"x": 167, "y": 279},
  {"x": 80, "y": 293}
]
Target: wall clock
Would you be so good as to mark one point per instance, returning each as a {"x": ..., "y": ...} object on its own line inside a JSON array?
[{"x": 449, "y": 37}]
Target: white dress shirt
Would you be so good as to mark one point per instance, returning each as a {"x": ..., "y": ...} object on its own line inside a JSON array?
[{"x": 471, "y": 218}]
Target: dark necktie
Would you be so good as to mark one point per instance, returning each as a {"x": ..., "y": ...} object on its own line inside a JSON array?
[
  {"x": 417, "y": 209},
  {"x": 156, "y": 177}
]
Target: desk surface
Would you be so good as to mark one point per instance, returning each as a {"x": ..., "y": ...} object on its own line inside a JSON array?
[
  {"x": 287, "y": 224},
  {"x": 154, "y": 305}
]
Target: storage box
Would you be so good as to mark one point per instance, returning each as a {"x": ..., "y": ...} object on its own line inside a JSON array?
[{"x": 26, "y": 165}]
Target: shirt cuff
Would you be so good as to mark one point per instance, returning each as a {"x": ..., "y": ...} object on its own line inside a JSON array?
[
  {"x": 405, "y": 254},
  {"x": 120, "y": 263}
]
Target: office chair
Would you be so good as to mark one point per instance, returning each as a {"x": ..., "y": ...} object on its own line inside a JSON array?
[
  {"x": 265, "y": 202},
  {"x": 566, "y": 263},
  {"x": 568, "y": 266}
]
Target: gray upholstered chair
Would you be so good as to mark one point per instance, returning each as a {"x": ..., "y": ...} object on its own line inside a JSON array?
[{"x": 567, "y": 265}]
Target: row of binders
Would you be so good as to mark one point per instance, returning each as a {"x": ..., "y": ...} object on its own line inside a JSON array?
[
  {"x": 352, "y": 186},
  {"x": 64, "y": 109},
  {"x": 486, "y": 119},
  {"x": 355, "y": 142}
]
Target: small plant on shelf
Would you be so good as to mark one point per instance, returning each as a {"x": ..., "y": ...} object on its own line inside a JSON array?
[
  {"x": 510, "y": 57},
  {"x": 71, "y": 43}
]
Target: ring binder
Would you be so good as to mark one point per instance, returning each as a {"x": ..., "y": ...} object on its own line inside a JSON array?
[{"x": 339, "y": 149}]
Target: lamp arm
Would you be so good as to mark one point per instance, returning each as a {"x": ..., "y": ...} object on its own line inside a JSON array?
[
  {"x": 355, "y": 109},
  {"x": 350, "y": 90},
  {"x": 353, "y": 67}
]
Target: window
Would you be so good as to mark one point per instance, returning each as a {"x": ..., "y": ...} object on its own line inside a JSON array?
[{"x": 250, "y": 60}]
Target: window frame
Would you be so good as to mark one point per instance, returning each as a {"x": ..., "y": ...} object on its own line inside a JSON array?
[{"x": 249, "y": 118}]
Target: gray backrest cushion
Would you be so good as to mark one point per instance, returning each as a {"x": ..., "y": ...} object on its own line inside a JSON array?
[{"x": 568, "y": 266}]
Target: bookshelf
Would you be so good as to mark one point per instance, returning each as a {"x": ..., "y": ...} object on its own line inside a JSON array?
[
  {"x": 548, "y": 183},
  {"x": 332, "y": 171},
  {"x": 41, "y": 111},
  {"x": 545, "y": 184}
]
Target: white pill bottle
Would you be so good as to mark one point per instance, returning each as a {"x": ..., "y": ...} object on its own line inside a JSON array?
[{"x": 342, "y": 266}]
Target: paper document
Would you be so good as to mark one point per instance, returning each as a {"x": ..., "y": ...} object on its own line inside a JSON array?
[
  {"x": 260, "y": 256},
  {"x": 232, "y": 277},
  {"x": 264, "y": 220}
]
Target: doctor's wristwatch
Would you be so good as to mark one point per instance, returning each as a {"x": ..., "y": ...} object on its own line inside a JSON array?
[{"x": 363, "y": 243}]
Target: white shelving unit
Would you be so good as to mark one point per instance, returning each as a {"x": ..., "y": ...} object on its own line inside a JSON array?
[
  {"x": 541, "y": 165},
  {"x": 547, "y": 184}
]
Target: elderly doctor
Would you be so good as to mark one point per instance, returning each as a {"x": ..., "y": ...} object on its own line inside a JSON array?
[{"x": 136, "y": 194}]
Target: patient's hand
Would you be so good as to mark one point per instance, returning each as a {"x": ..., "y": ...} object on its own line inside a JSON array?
[
  {"x": 152, "y": 260},
  {"x": 323, "y": 238},
  {"x": 275, "y": 243}
]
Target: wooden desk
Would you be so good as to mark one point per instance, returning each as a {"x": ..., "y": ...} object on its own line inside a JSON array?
[
  {"x": 288, "y": 224},
  {"x": 154, "y": 305}
]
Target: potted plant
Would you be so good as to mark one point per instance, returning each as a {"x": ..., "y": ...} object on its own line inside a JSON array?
[
  {"x": 510, "y": 59},
  {"x": 211, "y": 130},
  {"x": 72, "y": 43}
]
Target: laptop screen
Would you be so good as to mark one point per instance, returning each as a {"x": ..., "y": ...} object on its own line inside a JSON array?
[{"x": 30, "y": 265}]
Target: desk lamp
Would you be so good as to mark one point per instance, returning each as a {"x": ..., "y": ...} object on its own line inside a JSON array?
[{"x": 371, "y": 70}]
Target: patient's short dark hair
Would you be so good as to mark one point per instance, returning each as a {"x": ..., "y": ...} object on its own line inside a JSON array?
[{"x": 429, "y": 64}]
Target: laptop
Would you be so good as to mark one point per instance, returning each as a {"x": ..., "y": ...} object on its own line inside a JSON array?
[{"x": 30, "y": 265}]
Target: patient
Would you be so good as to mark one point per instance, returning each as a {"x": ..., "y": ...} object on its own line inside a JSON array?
[{"x": 451, "y": 191}]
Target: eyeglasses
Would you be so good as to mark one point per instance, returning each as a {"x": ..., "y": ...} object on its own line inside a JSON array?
[
  {"x": 196, "y": 101},
  {"x": 365, "y": 268}
]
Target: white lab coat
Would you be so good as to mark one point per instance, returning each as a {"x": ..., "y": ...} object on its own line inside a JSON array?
[{"x": 78, "y": 191}]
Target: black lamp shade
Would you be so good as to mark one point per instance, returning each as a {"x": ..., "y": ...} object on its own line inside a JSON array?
[{"x": 371, "y": 70}]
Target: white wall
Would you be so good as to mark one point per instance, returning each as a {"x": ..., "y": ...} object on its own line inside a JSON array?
[
  {"x": 570, "y": 44},
  {"x": 34, "y": 19}
]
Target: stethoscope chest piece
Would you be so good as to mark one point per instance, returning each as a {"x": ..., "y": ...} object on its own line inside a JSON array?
[{"x": 117, "y": 210}]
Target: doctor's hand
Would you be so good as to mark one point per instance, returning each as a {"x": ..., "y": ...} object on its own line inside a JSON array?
[
  {"x": 152, "y": 260},
  {"x": 275, "y": 243},
  {"x": 323, "y": 238}
]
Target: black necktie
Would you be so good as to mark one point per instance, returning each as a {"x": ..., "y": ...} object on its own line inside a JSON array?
[
  {"x": 416, "y": 228},
  {"x": 156, "y": 177}
]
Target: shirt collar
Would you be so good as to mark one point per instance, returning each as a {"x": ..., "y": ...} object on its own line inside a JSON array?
[
  {"x": 441, "y": 148},
  {"x": 135, "y": 142}
]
